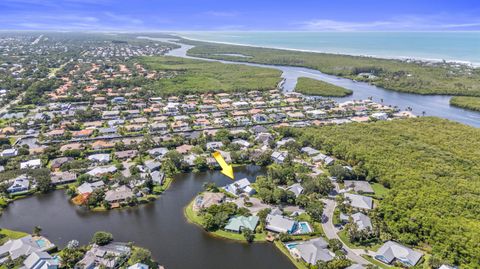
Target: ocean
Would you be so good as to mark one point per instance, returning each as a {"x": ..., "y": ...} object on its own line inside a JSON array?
[{"x": 432, "y": 46}]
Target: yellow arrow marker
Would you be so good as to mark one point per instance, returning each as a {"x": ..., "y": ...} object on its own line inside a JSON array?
[{"x": 227, "y": 169}]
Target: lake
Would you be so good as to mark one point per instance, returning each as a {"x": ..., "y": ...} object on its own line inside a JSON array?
[{"x": 159, "y": 226}]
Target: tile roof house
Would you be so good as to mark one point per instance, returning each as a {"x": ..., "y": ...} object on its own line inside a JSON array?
[
  {"x": 108, "y": 256},
  {"x": 392, "y": 251},
  {"x": 313, "y": 251},
  {"x": 126, "y": 154},
  {"x": 58, "y": 162},
  {"x": 238, "y": 223},
  {"x": 183, "y": 149}
]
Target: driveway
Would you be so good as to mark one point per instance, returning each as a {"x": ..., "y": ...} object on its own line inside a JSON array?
[{"x": 331, "y": 232}]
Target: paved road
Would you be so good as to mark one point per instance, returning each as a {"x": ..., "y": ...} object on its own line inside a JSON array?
[{"x": 331, "y": 232}]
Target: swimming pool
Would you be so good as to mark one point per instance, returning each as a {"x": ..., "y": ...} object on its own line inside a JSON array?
[
  {"x": 291, "y": 246},
  {"x": 41, "y": 243},
  {"x": 303, "y": 228}
]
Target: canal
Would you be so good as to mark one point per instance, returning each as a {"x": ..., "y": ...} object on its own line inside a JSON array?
[{"x": 159, "y": 226}]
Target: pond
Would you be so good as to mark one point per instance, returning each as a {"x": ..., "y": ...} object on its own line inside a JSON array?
[{"x": 159, "y": 226}]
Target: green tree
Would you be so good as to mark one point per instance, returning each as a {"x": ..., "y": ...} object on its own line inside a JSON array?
[
  {"x": 248, "y": 234},
  {"x": 102, "y": 238}
]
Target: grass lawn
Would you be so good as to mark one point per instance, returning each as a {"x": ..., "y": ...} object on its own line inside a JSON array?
[
  {"x": 164, "y": 186},
  {"x": 284, "y": 250},
  {"x": 311, "y": 86},
  {"x": 343, "y": 236},
  {"x": 196, "y": 219},
  {"x": 378, "y": 263},
  {"x": 6, "y": 234},
  {"x": 336, "y": 217},
  {"x": 380, "y": 190},
  {"x": 196, "y": 76}
]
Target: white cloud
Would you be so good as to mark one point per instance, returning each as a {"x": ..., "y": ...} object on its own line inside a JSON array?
[{"x": 401, "y": 23}]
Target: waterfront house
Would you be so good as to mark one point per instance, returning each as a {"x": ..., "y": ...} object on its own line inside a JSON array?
[
  {"x": 31, "y": 164},
  {"x": 24, "y": 246},
  {"x": 82, "y": 133},
  {"x": 40, "y": 260},
  {"x": 207, "y": 199},
  {"x": 88, "y": 187},
  {"x": 392, "y": 251},
  {"x": 119, "y": 194},
  {"x": 71, "y": 146},
  {"x": 101, "y": 144},
  {"x": 241, "y": 186},
  {"x": 238, "y": 223},
  {"x": 152, "y": 165},
  {"x": 107, "y": 130},
  {"x": 311, "y": 251},
  {"x": 109, "y": 256},
  {"x": 20, "y": 184},
  {"x": 139, "y": 266},
  {"x": 157, "y": 177},
  {"x": 359, "y": 201},
  {"x": 58, "y": 178},
  {"x": 280, "y": 224}
]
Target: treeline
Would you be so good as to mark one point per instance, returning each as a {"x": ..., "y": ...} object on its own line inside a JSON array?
[
  {"x": 467, "y": 102},
  {"x": 321, "y": 88},
  {"x": 433, "y": 169},
  {"x": 413, "y": 77}
]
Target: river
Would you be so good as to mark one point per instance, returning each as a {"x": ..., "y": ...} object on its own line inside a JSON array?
[
  {"x": 159, "y": 226},
  {"x": 432, "y": 105}
]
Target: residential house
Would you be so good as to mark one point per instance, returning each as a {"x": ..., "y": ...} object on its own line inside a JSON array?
[
  {"x": 58, "y": 178},
  {"x": 109, "y": 256},
  {"x": 184, "y": 149},
  {"x": 280, "y": 224},
  {"x": 214, "y": 145},
  {"x": 40, "y": 260},
  {"x": 102, "y": 170},
  {"x": 309, "y": 151},
  {"x": 359, "y": 201},
  {"x": 238, "y": 223},
  {"x": 296, "y": 188},
  {"x": 9, "y": 152},
  {"x": 126, "y": 154},
  {"x": 312, "y": 251},
  {"x": 241, "y": 186},
  {"x": 101, "y": 144},
  {"x": 392, "y": 251},
  {"x": 207, "y": 199},
  {"x": 243, "y": 143},
  {"x": 20, "y": 184},
  {"x": 359, "y": 186},
  {"x": 58, "y": 162},
  {"x": 88, "y": 187},
  {"x": 158, "y": 152},
  {"x": 99, "y": 158},
  {"x": 362, "y": 221},
  {"x": 24, "y": 246},
  {"x": 279, "y": 156},
  {"x": 119, "y": 194},
  {"x": 31, "y": 164}
]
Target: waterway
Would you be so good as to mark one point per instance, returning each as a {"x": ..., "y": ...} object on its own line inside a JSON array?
[
  {"x": 159, "y": 226},
  {"x": 430, "y": 105}
]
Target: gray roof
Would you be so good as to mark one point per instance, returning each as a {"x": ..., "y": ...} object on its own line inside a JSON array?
[
  {"x": 296, "y": 188},
  {"x": 40, "y": 260},
  {"x": 363, "y": 221},
  {"x": 391, "y": 251},
  {"x": 359, "y": 186},
  {"x": 279, "y": 224},
  {"x": 359, "y": 201},
  {"x": 314, "y": 250},
  {"x": 19, "y": 247},
  {"x": 119, "y": 194}
]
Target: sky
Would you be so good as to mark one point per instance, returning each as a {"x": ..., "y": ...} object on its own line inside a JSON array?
[{"x": 244, "y": 15}]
